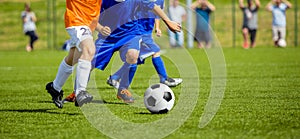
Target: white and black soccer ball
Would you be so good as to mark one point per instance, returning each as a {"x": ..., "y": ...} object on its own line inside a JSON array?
[
  {"x": 159, "y": 98},
  {"x": 282, "y": 43}
]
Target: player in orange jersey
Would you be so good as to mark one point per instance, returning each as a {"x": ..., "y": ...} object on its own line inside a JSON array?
[{"x": 81, "y": 18}]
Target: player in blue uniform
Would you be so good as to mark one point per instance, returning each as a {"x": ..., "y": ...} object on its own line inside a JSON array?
[
  {"x": 147, "y": 21},
  {"x": 120, "y": 17}
]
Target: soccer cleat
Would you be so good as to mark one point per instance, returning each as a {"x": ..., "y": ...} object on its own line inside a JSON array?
[
  {"x": 113, "y": 83},
  {"x": 70, "y": 98},
  {"x": 125, "y": 95},
  {"x": 83, "y": 97},
  {"x": 56, "y": 96},
  {"x": 172, "y": 82}
]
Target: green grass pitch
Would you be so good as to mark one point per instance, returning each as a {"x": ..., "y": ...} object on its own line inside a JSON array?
[{"x": 261, "y": 100}]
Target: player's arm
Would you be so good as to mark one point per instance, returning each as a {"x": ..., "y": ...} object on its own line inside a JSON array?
[
  {"x": 24, "y": 17},
  {"x": 211, "y": 6},
  {"x": 104, "y": 30},
  {"x": 173, "y": 26},
  {"x": 157, "y": 28},
  {"x": 289, "y": 5},
  {"x": 195, "y": 4},
  {"x": 241, "y": 4},
  {"x": 269, "y": 6},
  {"x": 33, "y": 17},
  {"x": 257, "y": 4}
]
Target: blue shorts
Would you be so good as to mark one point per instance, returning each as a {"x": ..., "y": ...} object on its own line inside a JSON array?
[
  {"x": 148, "y": 48},
  {"x": 104, "y": 51}
]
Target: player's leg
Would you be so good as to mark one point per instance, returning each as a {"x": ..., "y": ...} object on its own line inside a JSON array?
[
  {"x": 282, "y": 31},
  {"x": 245, "y": 32},
  {"x": 114, "y": 79},
  {"x": 159, "y": 66},
  {"x": 199, "y": 38},
  {"x": 161, "y": 70},
  {"x": 252, "y": 37},
  {"x": 104, "y": 52},
  {"x": 199, "y": 44},
  {"x": 129, "y": 68},
  {"x": 180, "y": 39},
  {"x": 33, "y": 38},
  {"x": 207, "y": 37},
  {"x": 83, "y": 70},
  {"x": 150, "y": 47},
  {"x": 129, "y": 53},
  {"x": 172, "y": 39},
  {"x": 72, "y": 97},
  {"x": 66, "y": 66},
  {"x": 28, "y": 46},
  {"x": 275, "y": 35},
  {"x": 64, "y": 71}
]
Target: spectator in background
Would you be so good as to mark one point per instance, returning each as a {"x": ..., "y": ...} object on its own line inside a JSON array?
[
  {"x": 203, "y": 9},
  {"x": 278, "y": 9},
  {"x": 249, "y": 21},
  {"x": 178, "y": 14},
  {"x": 29, "y": 27}
]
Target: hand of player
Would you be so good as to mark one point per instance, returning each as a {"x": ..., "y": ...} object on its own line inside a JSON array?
[
  {"x": 158, "y": 32},
  {"x": 105, "y": 31},
  {"x": 173, "y": 26}
]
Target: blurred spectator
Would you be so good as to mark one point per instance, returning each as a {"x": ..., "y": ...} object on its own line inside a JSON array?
[
  {"x": 249, "y": 21},
  {"x": 178, "y": 14},
  {"x": 278, "y": 9},
  {"x": 203, "y": 9},
  {"x": 29, "y": 27}
]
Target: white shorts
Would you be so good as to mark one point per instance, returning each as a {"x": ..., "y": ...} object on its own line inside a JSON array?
[
  {"x": 78, "y": 34},
  {"x": 278, "y": 33}
]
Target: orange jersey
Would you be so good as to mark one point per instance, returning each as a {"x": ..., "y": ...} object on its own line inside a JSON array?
[{"x": 82, "y": 13}]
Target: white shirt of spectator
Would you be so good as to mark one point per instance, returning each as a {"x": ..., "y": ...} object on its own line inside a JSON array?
[
  {"x": 29, "y": 25},
  {"x": 176, "y": 13}
]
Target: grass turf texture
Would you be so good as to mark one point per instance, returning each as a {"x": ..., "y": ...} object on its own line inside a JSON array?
[{"x": 261, "y": 99}]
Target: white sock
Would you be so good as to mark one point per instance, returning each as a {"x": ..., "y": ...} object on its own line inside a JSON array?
[
  {"x": 82, "y": 75},
  {"x": 64, "y": 71}
]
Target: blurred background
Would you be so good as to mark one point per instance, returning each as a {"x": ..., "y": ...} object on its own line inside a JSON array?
[{"x": 226, "y": 22}]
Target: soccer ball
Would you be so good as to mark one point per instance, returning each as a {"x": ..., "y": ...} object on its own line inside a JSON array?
[
  {"x": 282, "y": 43},
  {"x": 159, "y": 98}
]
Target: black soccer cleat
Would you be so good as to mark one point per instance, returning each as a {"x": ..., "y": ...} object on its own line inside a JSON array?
[
  {"x": 56, "y": 96},
  {"x": 83, "y": 97}
]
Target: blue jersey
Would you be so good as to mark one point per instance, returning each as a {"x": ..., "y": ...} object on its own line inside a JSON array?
[
  {"x": 121, "y": 17},
  {"x": 147, "y": 18},
  {"x": 203, "y": 18},
  {"x": 279, "y": 17}
]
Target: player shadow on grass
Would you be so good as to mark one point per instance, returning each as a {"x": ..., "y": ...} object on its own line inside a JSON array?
[
  {"x": 47, "y": 110},
  {"x": 93, "y": 101},
  {"x": 106, "y": 102}
]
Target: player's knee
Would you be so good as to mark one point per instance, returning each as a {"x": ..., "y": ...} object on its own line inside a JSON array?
[
  {"x": 132, "y": 56},
  {"x": 245, "y": 31}
]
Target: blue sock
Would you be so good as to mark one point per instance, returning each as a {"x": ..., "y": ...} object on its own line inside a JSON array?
[
  {"x": 117, "y": 75},
  {"x": 160, "y": 68},
  {"x": 127, "y": 75}
]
